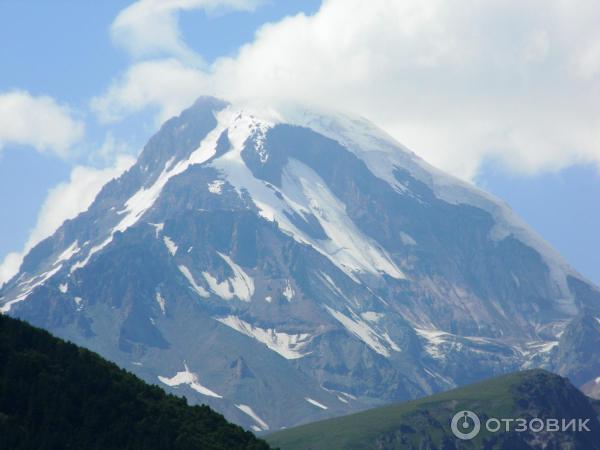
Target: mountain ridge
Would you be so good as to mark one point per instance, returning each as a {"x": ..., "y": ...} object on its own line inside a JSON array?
[
  {"x": 425, "y": 423},
  {"x": 285, "y": 269}
]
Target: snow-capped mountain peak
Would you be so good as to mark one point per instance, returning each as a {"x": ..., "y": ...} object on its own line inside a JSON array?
[{"x": 301, "y": 255}]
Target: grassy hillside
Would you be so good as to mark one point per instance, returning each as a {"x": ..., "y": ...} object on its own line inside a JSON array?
[
  {"x": 55, "y": 395},
  {"x": 425, "y": 423}
]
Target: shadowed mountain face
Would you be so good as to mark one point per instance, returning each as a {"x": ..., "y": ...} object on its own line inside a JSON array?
[
  {"x": 426, "y": 423},
  {"x": 288, "y": 270}
]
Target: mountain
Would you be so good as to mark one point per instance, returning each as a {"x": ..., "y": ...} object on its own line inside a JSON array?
[
  {"x": 426, "y": 423},
  {"x": 55, "y": 395},
  {"x": 592, "y": 388},
  {"x": 285, "y": 267}
]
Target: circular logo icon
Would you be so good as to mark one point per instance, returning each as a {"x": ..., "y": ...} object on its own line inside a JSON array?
[{"x": 465, "y": 425}]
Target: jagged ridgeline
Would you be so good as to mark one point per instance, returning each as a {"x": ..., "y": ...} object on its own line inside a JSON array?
[
  {"x": 55, "y": 395},
  {"x": 424, "y": 424}
]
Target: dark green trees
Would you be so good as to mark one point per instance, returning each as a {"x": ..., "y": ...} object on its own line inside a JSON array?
[{"x": 55, "y": 395}]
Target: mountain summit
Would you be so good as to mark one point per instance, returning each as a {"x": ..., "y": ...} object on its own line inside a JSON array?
[{"x": 288, "y": 268}]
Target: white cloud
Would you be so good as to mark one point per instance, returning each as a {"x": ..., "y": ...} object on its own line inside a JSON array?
[
  {"x": 516, "y": 82},
  {"x": 64, "y": 201},
  {"x": 10, "y": 266},
  {"x": 456, "y": 81},
  {"x": 167, "y": 85},
  {"x": 150, "y": 27},
  {"x": 39, "y": 122}
]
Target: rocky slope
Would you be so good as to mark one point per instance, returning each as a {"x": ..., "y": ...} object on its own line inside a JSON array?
[{"x": 294, "y": 266}]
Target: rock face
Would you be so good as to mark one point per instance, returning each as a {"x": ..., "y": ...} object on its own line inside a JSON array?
[{"x": 291, "y": 269}]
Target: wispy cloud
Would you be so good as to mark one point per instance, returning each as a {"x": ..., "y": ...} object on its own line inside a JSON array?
[
  {"x": 150, "y": 28},
  {"x": 168, "y": 85},
  {"x": 38, "y": 122}
]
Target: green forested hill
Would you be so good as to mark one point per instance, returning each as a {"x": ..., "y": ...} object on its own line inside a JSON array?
[
  {"x": 55, "y": 395},
  {"x": 424, "y": 424}
]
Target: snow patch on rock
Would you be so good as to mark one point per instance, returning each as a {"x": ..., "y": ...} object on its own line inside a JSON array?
[
  {"x": 262, "y": 425},
  {"x": 161, "y": 302},
  {"x": 315, "y": 403},
  {"x": 29, "y": 287},
  {"x": 240, "y": 286},
  {"x": 171, "y": 246},
  {"x": 288, "y": 291},
  {"x": 380, "y": 343},
  {"x": 69, "y": 252},
  {"x": 190, "y": 379},
  {"x": 290, "y": 346},
  {"x": 188, "y": 275},
  {"x": 215, "y": 187}
]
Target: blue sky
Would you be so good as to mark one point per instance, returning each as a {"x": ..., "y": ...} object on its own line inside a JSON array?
[{"x": 504, "y": 96}]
